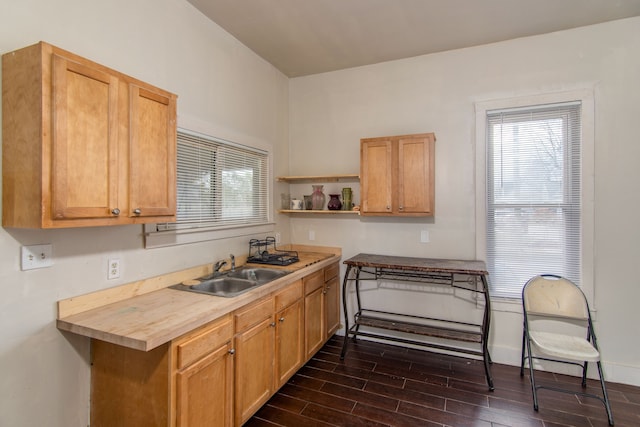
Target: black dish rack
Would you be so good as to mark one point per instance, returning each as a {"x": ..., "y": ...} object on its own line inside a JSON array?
[{"x": 265, "y": 252}]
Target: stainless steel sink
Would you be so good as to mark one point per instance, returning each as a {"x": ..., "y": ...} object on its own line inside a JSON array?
[
  {"x": 260, "y": 275},
  {"x": 224, "y": 286},
  {"x": 233, "y": 283}
]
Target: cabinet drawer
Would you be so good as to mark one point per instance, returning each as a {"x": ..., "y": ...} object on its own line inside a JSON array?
[
  {"x": 331, "y": 271},
  {"x": 253, "y": 314},
  {"x": 313, "y": 281},
  {"x": 204, "y": 341},
  {"x": 289, "y": 295}
]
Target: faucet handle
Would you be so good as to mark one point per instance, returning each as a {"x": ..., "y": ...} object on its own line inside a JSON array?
[{"x": 218, "y": 265}]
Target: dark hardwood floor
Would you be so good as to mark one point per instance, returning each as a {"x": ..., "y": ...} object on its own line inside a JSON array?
[{"x": 384, "y": 385}]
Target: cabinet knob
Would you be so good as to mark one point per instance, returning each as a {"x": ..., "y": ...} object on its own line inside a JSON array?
[
  {"x": 401, "y": 207},
  {"x": 388, "y": 208},
  {"x": 273, "y": 324},
  {"x": 115, "y": 211},
  {"x": 281, "y": 319},
  {"x": 232, "y": 351},
  {"x": 137, "y": 211}
]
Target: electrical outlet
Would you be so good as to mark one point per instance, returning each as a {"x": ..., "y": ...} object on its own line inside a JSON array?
[
  {"x": 312, "y": 235},
  {"x": 278, "y": 238},
  {"x": 113, "y": 271},
  {"x": 424, "y": 236},
  {"x": 36, "y": 256}
]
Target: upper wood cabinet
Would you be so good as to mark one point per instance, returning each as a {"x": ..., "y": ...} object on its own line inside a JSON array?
[
  {"x": 397, "y": 175},
  {"x": 83, "y": 145}
]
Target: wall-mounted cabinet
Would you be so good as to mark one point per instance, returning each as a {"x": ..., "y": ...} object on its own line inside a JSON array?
[
  {"x": 83, "y": 145},
  {"x": 320, "y": 179},
  {"x": 397, "y": 175}
]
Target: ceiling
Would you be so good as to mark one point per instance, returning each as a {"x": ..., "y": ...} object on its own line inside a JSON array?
[{"x": 302, "y": 37}]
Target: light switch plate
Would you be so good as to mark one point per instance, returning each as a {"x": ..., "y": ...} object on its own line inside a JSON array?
[{"x": 36, "y": 256}]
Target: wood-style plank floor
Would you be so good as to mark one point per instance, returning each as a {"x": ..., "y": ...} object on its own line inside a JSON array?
[{"x": 385, "y": 385}]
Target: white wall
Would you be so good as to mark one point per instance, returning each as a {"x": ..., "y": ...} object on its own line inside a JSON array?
[
  {"x": 330, "y": 112},
  {"x": 223, "y": 88}
]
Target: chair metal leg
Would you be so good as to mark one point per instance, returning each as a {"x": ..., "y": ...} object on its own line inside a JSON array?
[
  {"x": 584, "y": 374},
  {"x": 534, "y": 389},
  {"x": 607, "y": 405},
  {"x": 524, "y": 337}
]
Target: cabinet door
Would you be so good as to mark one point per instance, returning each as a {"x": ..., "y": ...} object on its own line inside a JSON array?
[
  {"x": 314, "y": 324},
  {"x": 85, "y": 142},
  {"x": 205, "y": 390},
  {"x": 152, "y": 173},
  {"x": 254, "y": 369},
  {"x": 415, "y": 182},
  {"x": 289, "y": 342},
  {"x": 332, "y": 305},
  {"x": 376, "y": 176}
]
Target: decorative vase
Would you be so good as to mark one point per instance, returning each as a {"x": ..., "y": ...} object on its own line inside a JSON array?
[
  {"x": 317, "y": 197},
  {"x": 346, "y": 199},
  {"x": 308, "y": 202},
  {"x": 334, "y": 202}
]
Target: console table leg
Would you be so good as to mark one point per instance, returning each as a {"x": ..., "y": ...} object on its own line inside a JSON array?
[
  {"x": 485, "y": 331},
  {"x": 346, "y": 314}
]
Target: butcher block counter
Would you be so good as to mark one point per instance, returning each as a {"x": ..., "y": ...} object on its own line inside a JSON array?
[{"x": 147, "y": 314}]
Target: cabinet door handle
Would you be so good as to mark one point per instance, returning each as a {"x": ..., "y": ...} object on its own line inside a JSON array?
[
  {"x": 115, "y": 211},
  {"x": 281, "y": 319},
  {"x": 232, "y": 351},
  {"x": 137, "y": 211}
]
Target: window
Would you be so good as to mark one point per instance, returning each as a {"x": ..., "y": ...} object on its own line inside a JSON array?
[
  {"x": 220, "y": 186},
  {"x": 534, "y": 190}
]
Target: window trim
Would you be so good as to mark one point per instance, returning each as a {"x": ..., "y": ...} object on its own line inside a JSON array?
[
  {"x": 154, "y": 238},
  {"x": 585, "y": 96}
]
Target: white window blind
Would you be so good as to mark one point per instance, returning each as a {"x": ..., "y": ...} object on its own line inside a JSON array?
[
  {"x": 533, "y": 195},
  {"x": 220, "y": 184}
]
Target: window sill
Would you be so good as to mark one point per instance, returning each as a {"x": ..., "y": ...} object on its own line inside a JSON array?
[
  {"x": 509, "y": 305},
  {"x": 159, "y": 239}
]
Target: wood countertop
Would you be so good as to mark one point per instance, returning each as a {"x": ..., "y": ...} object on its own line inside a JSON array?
[{"x": 146, "y": 314}]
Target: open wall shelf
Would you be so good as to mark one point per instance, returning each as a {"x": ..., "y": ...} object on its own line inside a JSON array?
[
  {"x": 319, "y": 178},
  {"x": 322, "y": 212}
]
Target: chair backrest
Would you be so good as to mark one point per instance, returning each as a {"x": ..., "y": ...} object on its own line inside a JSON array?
[{"x": 555, "y": 296}]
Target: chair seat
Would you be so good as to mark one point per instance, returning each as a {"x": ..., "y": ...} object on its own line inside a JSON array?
[{"x": 566, "y": 347}]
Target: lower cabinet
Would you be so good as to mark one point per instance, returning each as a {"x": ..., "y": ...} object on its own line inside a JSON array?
[
  {"x": 269, "y": 343},
  {"x": 289, "y": 333},
  {"x": 204, "y": 377},
  {"x": 221, "y": 373},
  {"x": 321, "y": 307},
  {"x": 255, "y": 345},
  {"x": 331, "y": 294},
  {"x": 188, "y": 382},
  {"x": 314, "y": 323}
]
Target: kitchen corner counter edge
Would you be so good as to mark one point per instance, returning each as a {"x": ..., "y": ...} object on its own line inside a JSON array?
[{"x": 146, "y": 314}]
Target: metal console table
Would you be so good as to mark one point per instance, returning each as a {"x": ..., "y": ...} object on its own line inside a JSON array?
[{"x": 419, "y": 270}]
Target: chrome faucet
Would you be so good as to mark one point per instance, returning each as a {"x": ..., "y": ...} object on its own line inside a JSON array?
[
  {"x": 218, "y": 265},
  {"x": 233, "y": 262}
]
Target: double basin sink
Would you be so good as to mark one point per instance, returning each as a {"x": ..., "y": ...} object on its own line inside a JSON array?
[{"x": 233, "y": 283}]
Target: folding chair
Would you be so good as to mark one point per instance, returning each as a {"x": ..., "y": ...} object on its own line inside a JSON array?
[{"x": 549, "y": 300}]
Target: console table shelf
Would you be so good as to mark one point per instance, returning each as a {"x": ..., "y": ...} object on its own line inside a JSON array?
[{"x": 467, "y": 275}]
